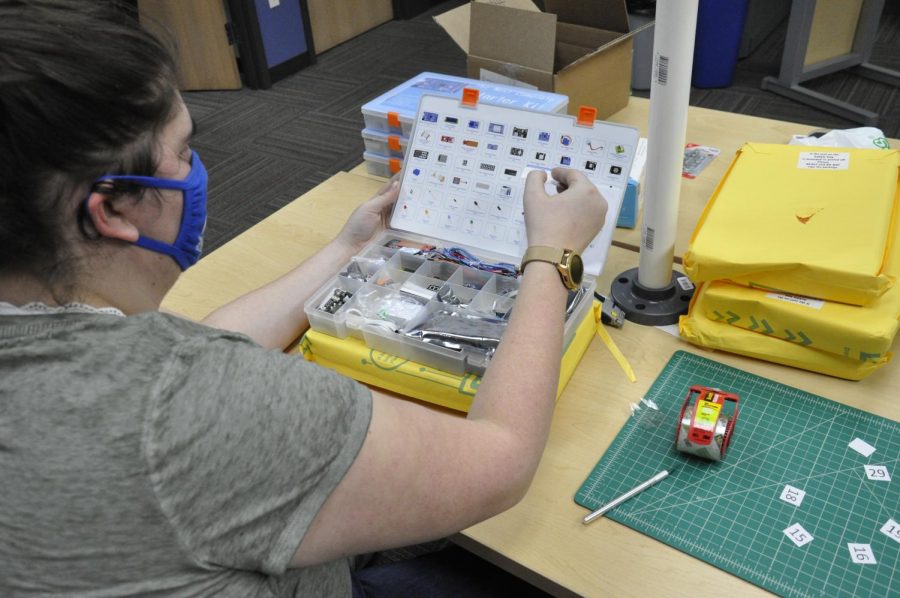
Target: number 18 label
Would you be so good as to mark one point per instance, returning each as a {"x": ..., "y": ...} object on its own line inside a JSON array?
[
  {"x": 798, "y": 535},
  {"x": 792, "y": 496}
]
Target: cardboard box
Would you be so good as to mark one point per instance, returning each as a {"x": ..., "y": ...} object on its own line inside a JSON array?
[{"x": 578, "y": 48}]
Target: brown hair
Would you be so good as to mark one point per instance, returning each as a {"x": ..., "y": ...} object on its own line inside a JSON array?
[{"x": 84, "y": 91}]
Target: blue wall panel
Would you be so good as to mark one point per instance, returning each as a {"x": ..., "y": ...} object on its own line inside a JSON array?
[{"x": 281, "y": 29}]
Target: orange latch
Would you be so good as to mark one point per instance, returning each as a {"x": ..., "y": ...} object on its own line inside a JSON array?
[
  {"x": 470, "y": 97},
  {"x": 586, "y": 116}
]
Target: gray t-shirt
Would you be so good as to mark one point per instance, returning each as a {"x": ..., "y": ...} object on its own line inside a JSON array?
[{"x": 153, "y": 455}]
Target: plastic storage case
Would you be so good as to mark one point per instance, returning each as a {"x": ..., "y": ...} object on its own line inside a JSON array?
[
  {"x": 385, "y": 144},
  {"x": 399, "y": 317},
  {"x": 387, "y": 292},
  {"x": 383, "y": 166},
  {"x": 395, "y": 110}
]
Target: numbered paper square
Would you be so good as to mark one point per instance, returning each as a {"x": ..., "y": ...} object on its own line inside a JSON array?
[
  {"x": 891, "y": 529},
  {"x": 862, "y": 554},
  {"x": 792, "y": 496},
  {"x": 798, "y": 535},
  {"x": 862, "y": 447},
  {"x": 879, "y": 473}
]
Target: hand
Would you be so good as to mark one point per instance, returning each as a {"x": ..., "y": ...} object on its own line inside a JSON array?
[
  {"x": 569, "y": 220},
  {"x": 369, "y": 218}
]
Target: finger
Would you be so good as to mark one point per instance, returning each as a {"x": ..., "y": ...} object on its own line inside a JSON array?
[
  {"x": 567, "y": 176},
  {"x": 391, "y": 181},
  {"x": 387, "y": 194},
  {"x": 535, "y": 180}
]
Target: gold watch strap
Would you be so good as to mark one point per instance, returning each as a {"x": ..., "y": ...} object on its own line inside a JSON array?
[{"x": 542, "y": 253}]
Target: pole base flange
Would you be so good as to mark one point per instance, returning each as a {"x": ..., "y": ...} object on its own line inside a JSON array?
[{"x": 652, "y": 307}]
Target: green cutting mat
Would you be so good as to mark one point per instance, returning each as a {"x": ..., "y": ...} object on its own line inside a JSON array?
[{"x": 730, "y": 513}]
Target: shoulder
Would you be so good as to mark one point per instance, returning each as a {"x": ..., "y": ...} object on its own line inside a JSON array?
[
  {"x": 223, "y": 369},
  {"x": 163, "y": 326}
]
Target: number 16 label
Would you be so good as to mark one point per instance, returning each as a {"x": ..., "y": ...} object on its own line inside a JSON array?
[
  {"x": 879, "y": 473},
  {"x": 862, "y": 554},
  {"x": 798, "y": 535}
]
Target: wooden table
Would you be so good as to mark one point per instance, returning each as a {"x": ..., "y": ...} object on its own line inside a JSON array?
[{"x": 542, "y": 538}]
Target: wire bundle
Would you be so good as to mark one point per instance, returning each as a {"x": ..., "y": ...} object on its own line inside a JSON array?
[{"x": 459, "y": 255}]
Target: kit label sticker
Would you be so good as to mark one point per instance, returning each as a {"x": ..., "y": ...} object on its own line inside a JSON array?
[
  {"x": 798, "y": 535},
  {"x": 862, "y": 554},
  {"x": 862, "y": 447},
  {"x": 797, "y": 300},
  {"x": 792, "y": 496},
  {"x": 823, "y": 160}
]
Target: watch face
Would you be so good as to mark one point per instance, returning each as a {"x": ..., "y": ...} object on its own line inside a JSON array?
[{"x": 576, "y": 268}]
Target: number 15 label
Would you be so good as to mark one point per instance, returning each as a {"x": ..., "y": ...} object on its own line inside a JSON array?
[
  {"x": 891, "y": 529},
  {"x": 798, "y": 535}
]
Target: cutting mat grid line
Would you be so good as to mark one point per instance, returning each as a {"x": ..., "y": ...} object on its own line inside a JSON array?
[{"x": 730, "y": 513}]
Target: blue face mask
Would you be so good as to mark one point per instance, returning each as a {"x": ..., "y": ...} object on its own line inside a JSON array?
[{"x": 188, "y": 244}]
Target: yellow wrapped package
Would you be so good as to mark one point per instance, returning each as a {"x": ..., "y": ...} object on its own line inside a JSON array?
[
  {"x": 353, "y": 358},
  {"x": 858, "y": 332},
  {"x": 700, "y": 330},
  {"x": 803, "y": 220}
]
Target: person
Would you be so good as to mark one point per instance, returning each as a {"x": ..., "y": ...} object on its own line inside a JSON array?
[{"x": 144, "y": 453}]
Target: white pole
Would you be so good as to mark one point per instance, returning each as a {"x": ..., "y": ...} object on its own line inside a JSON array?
[{"x": 670, "y": 88}]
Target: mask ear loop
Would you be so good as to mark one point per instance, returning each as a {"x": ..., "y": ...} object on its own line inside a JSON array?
[
  {"x": 108, "y": 187},
  {"x": 83, "y": 215}
]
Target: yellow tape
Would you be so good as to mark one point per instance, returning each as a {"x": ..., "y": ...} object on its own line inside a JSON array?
[{"x": 620, "y": 358}]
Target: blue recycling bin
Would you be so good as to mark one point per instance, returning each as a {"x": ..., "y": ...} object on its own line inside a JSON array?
[{"x": 720, "y": 25}]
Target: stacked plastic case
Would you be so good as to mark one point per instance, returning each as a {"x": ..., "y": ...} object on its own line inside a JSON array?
[
  {"x": 400, "y": 297},
  {"x": 389, "y": 118}
]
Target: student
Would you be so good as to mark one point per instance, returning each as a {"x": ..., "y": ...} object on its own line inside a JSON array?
[{"x": 143, "y": 453}]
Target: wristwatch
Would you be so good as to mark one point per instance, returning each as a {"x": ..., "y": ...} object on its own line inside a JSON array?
[{"x": 566, "y": 261}]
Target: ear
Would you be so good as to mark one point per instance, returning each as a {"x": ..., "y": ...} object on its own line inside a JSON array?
[{"x": 108, "y": 220}]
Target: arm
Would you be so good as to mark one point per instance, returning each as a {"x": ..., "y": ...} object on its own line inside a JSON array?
[
  {"x": 273, "y": 315},
  {"x": 423, "y": 474}
]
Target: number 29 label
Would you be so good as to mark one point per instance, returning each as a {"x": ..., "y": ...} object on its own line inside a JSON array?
[{"x": 879, "y": 473}]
